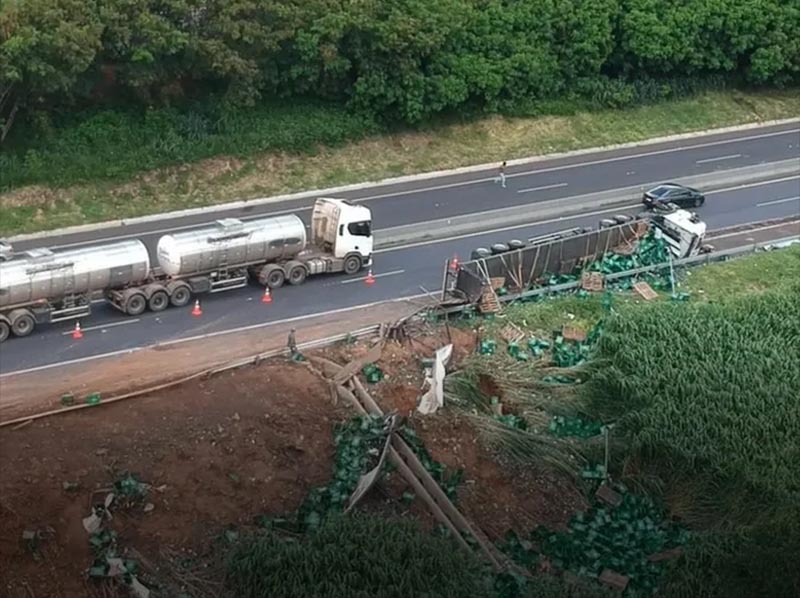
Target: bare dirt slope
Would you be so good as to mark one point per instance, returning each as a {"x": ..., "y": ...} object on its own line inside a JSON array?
[{"x": 220, "y": 451}]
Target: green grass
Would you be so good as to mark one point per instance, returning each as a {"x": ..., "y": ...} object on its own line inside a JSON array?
[
  {"x": 757, "y": 273},
  {"x": 356, "y": 557},
  {"x": 113, "y": 166}
]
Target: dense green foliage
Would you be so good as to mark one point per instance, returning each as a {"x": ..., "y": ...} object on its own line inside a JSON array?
[
  {"x": 706, "y": 397},
  {"x": 112, "y": 144},
  {"x": 403, "y": 59},
  {"x": 355, "y": 557},
  {"x": 64, "y": 64}
]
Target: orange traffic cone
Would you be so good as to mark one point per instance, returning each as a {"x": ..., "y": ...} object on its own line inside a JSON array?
[
  {"x": 454, "y": 263},
  {"x": 77, "y": 334},
  {"x": 267, "y": 296},
  {"x": 370, "y": 279},
  {"x": 196, "y": 311}
]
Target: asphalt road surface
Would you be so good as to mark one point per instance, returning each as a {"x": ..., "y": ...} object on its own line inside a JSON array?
[
  {"x": 400, "y": 272},
  {"x": 444, "y": 197}
]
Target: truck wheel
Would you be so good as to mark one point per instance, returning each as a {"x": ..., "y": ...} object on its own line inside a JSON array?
[
  {"x": 352, "y": 264},
  {"x": 180, "y": 295},
  {"x": 159, "y": 301},
  {"x": 135, "y": 304},
  {"x": 5, "y": 330},
  {"x": 22, "y": 322},
  {"x": 271, "y": 276},
  {"x": 297, "y": 274},
  {"x": 276, "y": 278}
]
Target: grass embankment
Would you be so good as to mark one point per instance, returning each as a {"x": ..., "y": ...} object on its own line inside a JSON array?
[
  {"x": 704, "y": 396},
  {"x": 112, "y": 166}
]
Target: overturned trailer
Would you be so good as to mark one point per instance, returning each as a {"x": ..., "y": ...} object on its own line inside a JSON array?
[{"x": 519, "y": 265}]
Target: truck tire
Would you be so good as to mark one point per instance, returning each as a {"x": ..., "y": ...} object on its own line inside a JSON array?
[
  {"x": 296, "y": 273},
  {"x": 5, "y": 330},
  {"x": 159, "y": 301},
  {"x": 272, "y": 276},
  {"x": 515, "y": 244},
  {"x": 135, "y": 304},
  {"x": 22, "y": 322},
  {"x": 352, "y": 264},
  {"x": 499, "y": 248},
  {"x": 179, "y": 294},
  {"x": 480, "y": 253}
]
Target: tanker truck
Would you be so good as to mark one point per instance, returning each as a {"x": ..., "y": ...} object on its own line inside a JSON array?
[{"x": 43, "y": 286}]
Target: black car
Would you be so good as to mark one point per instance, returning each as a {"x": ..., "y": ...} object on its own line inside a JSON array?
[{"x": 673, "y": 193}]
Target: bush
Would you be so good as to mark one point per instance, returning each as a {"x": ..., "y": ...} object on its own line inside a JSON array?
[
  {"x": 356, "y": 557},
  {"x": 112, "y": 144}
]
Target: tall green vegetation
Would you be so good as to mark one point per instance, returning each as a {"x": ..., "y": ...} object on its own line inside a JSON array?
[
  {"x": 390, "y": 61},
  {"x": 356, "y": 557},
  {"x": 707, "y": 397}
]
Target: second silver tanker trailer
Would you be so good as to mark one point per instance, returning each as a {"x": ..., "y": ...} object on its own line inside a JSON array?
[{"x": 42, "y": 286}]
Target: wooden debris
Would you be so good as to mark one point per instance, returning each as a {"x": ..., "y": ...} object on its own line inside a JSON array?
[
  {"x": 645, "y": 291},
  {"x": 512, "y": 333},
  {"x": 666, "y": 555},
  {"x": 355, "y": 366},
  {"x": 608, "y": 496},
  {"x": 489, "y": 303},
  {"x": 497, "y": 282},
  {"x": 593, "y": 281},
  {"x": 573, "y": 333},
  {"x": 614, "y": 580}
]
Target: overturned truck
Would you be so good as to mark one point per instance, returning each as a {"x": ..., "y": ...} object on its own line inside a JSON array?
[{"x": 521, "y": 265}]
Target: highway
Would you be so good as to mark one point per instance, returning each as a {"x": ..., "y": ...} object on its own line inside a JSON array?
[
  {"x": 403, "y": 271},
  {"x": 394, "y": 205}
]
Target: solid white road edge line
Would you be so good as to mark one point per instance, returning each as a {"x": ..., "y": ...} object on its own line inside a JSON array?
[
  {"x": 109, "y": 325},
  {"x": 180, "y": 341},
  {"x": 426, "y": 189}
]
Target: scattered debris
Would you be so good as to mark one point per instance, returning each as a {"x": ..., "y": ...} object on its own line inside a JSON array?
[
  {"x": 614, "y": 580},
  {"x": 433, "y": 399},
  {"x": 592, "y": 281},
  {"x": 512, "y": 333},
  {"x": 372, "y": 373},
  {"x": 645, "y": 291},
  {"x": 573, "y": 333},
  {"x": 368, "y": 479},
  {"x": 609, "y": 496}
]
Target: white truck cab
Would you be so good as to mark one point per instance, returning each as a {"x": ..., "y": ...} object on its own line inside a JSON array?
[
  {"x": 342, "y": 228},
  {"x": 683, "y": 231}
]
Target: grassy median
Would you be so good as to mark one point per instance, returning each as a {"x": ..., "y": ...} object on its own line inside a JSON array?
[{"x": 225, "y": 178}]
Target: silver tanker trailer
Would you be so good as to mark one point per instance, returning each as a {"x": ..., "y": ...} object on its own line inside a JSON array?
[{"x": 42, "y": 286}]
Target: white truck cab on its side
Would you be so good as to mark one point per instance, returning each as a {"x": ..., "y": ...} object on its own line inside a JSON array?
[
  {"x": 342, "y": 228},
  {"x": 683, "y": 231}
]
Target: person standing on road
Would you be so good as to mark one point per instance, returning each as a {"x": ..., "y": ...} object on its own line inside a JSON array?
[
  {"x": 502, "y": 175},
  {"x": 292, "y": 343}
]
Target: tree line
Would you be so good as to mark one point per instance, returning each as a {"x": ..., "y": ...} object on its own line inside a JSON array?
[{"x": 400, "y": 60}]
